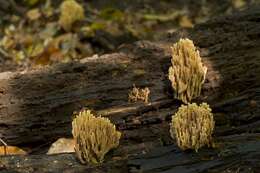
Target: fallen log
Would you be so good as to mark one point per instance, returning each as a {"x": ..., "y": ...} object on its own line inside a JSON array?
[
  {"x": 36, "y": 106},
  {"x": 236, "y": 153}
]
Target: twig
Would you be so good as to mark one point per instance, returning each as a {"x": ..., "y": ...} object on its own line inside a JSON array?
[{"x": 5, "y": 145}]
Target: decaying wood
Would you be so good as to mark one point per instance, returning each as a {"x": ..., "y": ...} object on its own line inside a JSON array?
[
  {"x": 242, "y": 155},
  {"x": 237, "y": 153},
  {"x": 36, "y": 106}
]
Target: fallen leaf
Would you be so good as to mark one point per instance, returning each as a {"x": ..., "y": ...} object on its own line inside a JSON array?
[
  {"x": 238, "y": 3},
  {"x": 11, "y": 150},
  {"x": 33, "y": 14},
  {"x": 185, "y": 22},
  {"x": 62, "y": 145}
]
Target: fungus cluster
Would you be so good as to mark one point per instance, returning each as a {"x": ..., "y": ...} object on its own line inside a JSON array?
[
  {"x": 141, "y": 94},
  {"x": 94, "y": 136},
  {"x": 187, "y": 73},
  {"x": 192, "y": 126}
]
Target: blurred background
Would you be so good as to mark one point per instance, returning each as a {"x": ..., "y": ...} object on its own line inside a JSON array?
[{"x": 36, "y": 33}]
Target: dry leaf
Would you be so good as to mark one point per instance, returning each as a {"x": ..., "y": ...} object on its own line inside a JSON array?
[
  {"x": 11, "y": 150},
  {"x": 33, "y": 14},
  {"x": 46, "y": 56},
  {"x": 185, "y": 22},
  {"x": 62, "y": 145}
]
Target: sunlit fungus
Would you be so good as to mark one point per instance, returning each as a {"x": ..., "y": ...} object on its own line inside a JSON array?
[
  {"x": 192, "y": 126},
  {"x": 187, "y": 73},
  {"x": 94, "y": 136}
]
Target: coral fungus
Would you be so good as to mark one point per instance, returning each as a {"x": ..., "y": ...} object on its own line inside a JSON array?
[
  {"x": 139, "y": 94},
  {"x": 192, "y": 126},
  {"x": 187, "y": 72},
  {"x": 95, "y": 136}
]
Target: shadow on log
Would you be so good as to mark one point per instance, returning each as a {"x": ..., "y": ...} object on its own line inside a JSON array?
[{"x": 37, "y": 106}]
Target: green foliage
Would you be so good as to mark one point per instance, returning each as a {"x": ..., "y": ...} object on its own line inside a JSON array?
[
  {"x": 112, "y": 14},
  {"x": 32, "y": 2}
]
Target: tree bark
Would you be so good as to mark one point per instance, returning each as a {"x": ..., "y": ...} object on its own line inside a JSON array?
[
  {"x": 235, "y": 153},
  {"x": 37, "y": 105}
]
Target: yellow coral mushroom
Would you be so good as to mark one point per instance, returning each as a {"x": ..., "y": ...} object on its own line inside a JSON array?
[
  {"x": 94, "y": 137},
  {"x": 187, "y": 73},
  {"x": 71, "y": 12},
  {"x": 139, "y": 94},
  {"x": 192, "y": 126}
]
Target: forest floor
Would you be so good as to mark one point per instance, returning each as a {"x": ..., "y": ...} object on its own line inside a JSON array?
[{"x": 31, "y": 36}]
